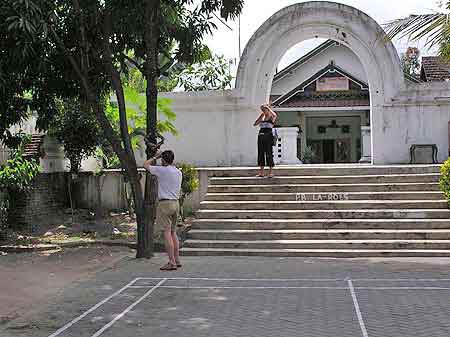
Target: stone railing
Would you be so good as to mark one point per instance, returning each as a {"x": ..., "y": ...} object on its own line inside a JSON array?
[{"x": 285, "y": 151}]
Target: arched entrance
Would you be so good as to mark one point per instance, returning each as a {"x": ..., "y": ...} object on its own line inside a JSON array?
[{"x": 347, "y": 25}]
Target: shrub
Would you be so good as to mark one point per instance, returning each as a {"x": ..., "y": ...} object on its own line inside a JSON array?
[
  {"x": 189, "y": 183},
  {"x": 76, "y": 127},
  {"x": 444, "y": 181},
  {"x": 308, "y": 155},
  {"x": 16, "y": 176},
  {"x": 18, "y": 173}
]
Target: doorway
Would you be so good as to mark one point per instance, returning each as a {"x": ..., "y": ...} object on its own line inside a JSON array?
[
  {"x": 328, "y": 151},
  {"x": 334, "y": 139}
]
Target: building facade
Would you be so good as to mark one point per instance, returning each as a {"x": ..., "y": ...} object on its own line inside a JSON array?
[{"x": 326, "y": 96}]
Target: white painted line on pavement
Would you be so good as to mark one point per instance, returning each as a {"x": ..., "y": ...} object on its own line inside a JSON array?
[
  {"x": 400, "y": 279},
  {"x": 299, "y": 279},
  {"x": 87, "y": 312},
  {"x": 358, "y": 311},
  {"x": 291, "y": 287},
  {"x": 123, "y": 313},
  {"x": 242, "y": 287},
  {"x": 402, "y": 288},
  {"x": 237, "y": 287},
  {"x": 244, "y": 279}
]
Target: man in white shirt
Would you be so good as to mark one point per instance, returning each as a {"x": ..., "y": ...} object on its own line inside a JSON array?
[{"x": 169, "y": 186}]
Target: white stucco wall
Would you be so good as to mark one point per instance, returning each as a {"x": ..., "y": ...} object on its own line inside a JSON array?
[
  {"x": 418, "y": 115},
  {"x": 214, "y": 129},
  {"x": 341, "y": 55}
]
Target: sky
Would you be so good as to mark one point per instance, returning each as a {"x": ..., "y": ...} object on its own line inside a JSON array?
[{"x": 256, "y": 12}]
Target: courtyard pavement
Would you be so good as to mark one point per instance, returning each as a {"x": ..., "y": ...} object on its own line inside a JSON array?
[{"x": 239, "y": 296}]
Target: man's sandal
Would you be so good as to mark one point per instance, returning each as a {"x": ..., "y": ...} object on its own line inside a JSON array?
[
  {"x": 168, "y": 267},
  {"x": 179, "y": 265}
]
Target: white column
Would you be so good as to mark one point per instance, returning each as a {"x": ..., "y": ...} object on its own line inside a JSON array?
[
  {"x": 53, "y": 160},
  {"x": 366, "y": 145},
  {"x": 285, "y": 151}
]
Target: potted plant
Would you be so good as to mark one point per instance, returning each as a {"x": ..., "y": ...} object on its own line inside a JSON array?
[{"x": 308, "y": 155}]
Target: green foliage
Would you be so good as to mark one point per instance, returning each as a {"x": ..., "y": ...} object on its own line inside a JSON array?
[
  {"x": 189, "y": 183},
  {"x": 74, "y": 49},
  {"x": 433, "y": 27},
  {"x": 137, "y": 118},
  {"x": 76, "y": 127},
  {"x": 106, "y": 159},
  {"x": 308, "y": 155},
  {"x": 171, "y": 69},
  {"x": 16, "y": 177},
  {"x": 34, "y": 72},
  {"x": 444, "y": 49},
  {"x": 211, "y": 74},
  {"x": 136, "y": 80},
  {"x": 410, "y": 62},
  {"x": 18, "y": 173},
  {"x": 444, "y": 181}
]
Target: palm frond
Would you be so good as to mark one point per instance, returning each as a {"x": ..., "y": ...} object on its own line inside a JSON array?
[{"x": 432, "y": 27}]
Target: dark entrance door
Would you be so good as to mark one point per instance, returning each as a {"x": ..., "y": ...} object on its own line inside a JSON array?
[{"x": 328, "y": 151}]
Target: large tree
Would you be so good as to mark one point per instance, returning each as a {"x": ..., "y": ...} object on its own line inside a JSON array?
[
  {"x": 410, "y": 61},
  {"x": 81, "y": 49},
  {"x": 211, "y": 74}
]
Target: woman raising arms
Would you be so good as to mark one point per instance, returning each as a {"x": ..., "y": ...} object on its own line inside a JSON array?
[{"x": 266, "y": 121}]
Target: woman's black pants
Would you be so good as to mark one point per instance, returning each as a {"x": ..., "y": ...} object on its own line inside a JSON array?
[{"x": 265, "y": 152}]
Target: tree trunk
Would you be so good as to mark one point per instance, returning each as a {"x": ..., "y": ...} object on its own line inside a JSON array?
[
  {"x": 126, "y": 156},
  {"x": 148, "y": 216},
  {"x": 144, "y": 244},
  {"x": 144, "y": 248},
  {"x": 151, "y": 34}
]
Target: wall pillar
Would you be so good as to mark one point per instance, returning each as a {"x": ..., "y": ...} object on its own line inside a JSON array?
[
  {"x": 366, "y": 145},
  {"x": 53, "y": 160},
  {"x": 285, "y": 151}
]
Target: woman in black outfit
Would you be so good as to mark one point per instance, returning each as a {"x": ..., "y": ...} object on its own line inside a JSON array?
[{"x": 266, "y": 122}]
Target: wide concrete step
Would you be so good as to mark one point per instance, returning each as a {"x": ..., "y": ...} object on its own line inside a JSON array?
[
  {"x": 278, "y": 224},
  {"x": 324, "y": 214},
  {"x": 320, "y": 244},
  {"x": 327, "y": 170},
  {"x": 335, "y": 253},
  {"x": 413, "y": 195},
  {"x": 320, "y": 234},
  {"x": 324, "y": 205},
  {"x": 349, "y": 179},
  {"x": 323, "y": 188}
]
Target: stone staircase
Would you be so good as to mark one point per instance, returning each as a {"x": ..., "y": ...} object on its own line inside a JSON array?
[
  {"x": 330, "y": 211},
  {"x": 33, "y": 149}
]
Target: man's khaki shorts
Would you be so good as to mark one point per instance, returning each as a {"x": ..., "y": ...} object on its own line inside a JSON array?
[{"x": 167, "y": 215}]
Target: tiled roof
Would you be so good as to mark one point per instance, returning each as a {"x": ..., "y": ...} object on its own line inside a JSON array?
[
  {"x": 331, "y": 68},
  {"x": 435, "y": 69},
  {"x": 303, "y": 59}
]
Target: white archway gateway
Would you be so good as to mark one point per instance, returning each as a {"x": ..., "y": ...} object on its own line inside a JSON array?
[
  {"x": 216, "y": 126},
  {"x": 347, "y": 25}
]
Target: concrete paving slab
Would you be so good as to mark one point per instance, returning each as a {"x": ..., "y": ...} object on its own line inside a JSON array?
[{"x": 251, "y": 296}]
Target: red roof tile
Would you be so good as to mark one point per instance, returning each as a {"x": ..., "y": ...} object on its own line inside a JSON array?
[{"x": 435, "y": 69}]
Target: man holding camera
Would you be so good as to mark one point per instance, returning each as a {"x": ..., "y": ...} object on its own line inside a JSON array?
[{"x": 169, "y": 185}]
